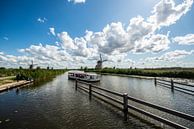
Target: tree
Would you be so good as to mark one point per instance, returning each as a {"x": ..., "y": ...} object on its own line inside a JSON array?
[
  {"x": 38, "y": 67},
  {"x": 86, "y": 68}
]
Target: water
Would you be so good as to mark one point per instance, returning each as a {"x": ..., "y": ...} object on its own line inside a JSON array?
[
  {"x": 56, "y": 105},
  {"x": 146, "y": 90}
]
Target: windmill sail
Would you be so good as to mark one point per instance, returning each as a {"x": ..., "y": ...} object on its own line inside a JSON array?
[{"x": 99, "y": 63}]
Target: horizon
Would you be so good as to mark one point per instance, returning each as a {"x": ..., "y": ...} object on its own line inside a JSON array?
[{"x": 73, "y": 33}]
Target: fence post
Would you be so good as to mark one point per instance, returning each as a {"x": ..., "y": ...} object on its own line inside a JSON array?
[
  {"x": 125, "y": 105},
  {"x": 76, "y": 84},
  {"x": 155, "y": 81},
  {"x": 172, "y": 85},
  {"x": 90, "y": 91}
]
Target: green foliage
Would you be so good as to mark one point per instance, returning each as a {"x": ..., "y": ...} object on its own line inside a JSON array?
[
  {"x": 35, "y": 74},
  {"x": 160, "y": 72}
]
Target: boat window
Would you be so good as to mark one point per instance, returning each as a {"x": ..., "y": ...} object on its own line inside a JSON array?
[{"x": 71, "y": 74}]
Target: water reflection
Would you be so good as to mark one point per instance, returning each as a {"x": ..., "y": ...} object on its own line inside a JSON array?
[
  {"x": 146, "y": 90},
  {"x": 56, "y": 105}
]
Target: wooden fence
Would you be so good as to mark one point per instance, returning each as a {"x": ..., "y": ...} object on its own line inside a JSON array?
[
  {"x": 94, "y": 90},
  {"x": 182, "y": 87}
]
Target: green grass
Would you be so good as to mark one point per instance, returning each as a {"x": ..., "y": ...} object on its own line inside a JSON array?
[{"x": 162, "y": 72}]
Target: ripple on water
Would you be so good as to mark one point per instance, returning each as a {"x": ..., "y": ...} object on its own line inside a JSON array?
[{"x": 56, "y": 105}]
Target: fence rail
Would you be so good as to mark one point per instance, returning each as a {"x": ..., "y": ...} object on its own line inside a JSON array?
[
  {"x": 171, "y": 84},
  {"x": 95, "y": 90}
]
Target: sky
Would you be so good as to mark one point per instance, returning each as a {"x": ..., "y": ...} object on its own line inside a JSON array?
[{"x": 73, "y": 33}]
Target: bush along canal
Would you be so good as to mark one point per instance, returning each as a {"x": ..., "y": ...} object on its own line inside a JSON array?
[{"x": 155, "y": 72}]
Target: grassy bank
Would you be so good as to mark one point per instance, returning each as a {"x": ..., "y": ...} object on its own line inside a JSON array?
[
  {"x": 36, "y": 74},
  {"x": 5, "y": 81},
  {"x": 162, "y": 72}
]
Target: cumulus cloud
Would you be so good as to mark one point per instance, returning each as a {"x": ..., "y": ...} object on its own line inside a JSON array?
[
  {"x": 47, "y": 52},
  {"x": 184, "y": 40},
  {"x": 77, "y": 1},
  {"x": 166, "y": 12},
  {"x": 52, "y": 31},
  {"x": 13, "y": 61},
  {"x": 155, "y": 43},
  {"x": 168, "y": 59},
  {"x": 171, "y": 56},
  {"x": 42, "y": 20},
  {"x": 78, "y": 46},
  {"x": 67, "y": 41},
  {"x": 140, "y": 35},
  {"x": 115, "y": 41},
  {"x": 43, "y": 55},
  {"x": 111, "y": 39}
]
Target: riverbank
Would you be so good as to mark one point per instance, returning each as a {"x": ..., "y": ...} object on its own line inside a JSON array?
[
  {"x": 31, "y": 74},
  {"x": 184, "y": 73},
  {"x": 12, "y": 78},
  {"x": 14, "y": 85}
]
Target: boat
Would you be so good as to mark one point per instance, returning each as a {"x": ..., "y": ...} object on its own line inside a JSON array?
[{"x": 82, "y": 76}]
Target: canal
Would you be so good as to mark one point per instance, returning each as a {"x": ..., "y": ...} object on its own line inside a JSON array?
[{"x": 56, "y": 105}]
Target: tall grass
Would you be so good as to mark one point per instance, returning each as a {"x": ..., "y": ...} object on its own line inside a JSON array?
[{"x": 36, "y": 74}]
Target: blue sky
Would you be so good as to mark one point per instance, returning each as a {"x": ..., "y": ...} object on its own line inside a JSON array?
[{"x": 72, "y": 33}]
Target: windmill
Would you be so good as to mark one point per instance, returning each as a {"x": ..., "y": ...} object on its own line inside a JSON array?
[
  {"x": 31, "y": 66},
  {"x": 99, "y": 63}
]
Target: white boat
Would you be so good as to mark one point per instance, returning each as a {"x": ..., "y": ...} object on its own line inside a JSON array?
[{"x": 80, "y": 75}]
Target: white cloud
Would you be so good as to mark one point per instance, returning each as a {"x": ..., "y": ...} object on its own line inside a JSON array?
[
  {"x": 42, "y": 20},
  {"x": 115, "y": 41},
  {"x": 171, "y": 56},
  {"x": 77, "y": 46},
  {"x": 168, "y": 59},
  {"x": 77, "y": 1},
  {"x": 5, "y": 38},
  {"x": 155, "y": 43},
  {"x": 184, "y": 40},
  {"x": 52, "y": 30},
  {"x": 14, "y": 61},
  {"x": 67, "y": 41},
  {"x": 113, "y": 38},
  {"x": 47, "y": 52},
  {"x": 166, "y": 12}
]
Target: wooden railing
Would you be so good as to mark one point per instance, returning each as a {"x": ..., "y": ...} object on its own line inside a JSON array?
[
  {"x": 173, "y": 85},
  {"x": 94, "y": 90}
]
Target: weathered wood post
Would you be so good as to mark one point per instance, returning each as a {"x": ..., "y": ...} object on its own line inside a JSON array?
[
  {"x": 76, "y": 84},
  {"x": 172, "y": 85},
  {"x": 125, "y": 105},
  {"x": 90, "y": 91},
  {"x": 155, "y": 81}
]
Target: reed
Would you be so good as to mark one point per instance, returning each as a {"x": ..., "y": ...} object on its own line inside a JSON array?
[
  {"x": 160, "y": 72},
  {"x": 35, "y": 74}
]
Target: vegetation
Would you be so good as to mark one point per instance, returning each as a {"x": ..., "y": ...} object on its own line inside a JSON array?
[
  {"x": 28, "y": 74},
  {"x": 159, "y": 72},
  {"x": 5, "y": 81}
]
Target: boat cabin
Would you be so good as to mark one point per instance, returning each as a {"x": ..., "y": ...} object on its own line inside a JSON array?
[{"x": 80, "y": 75}]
